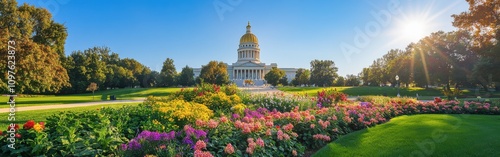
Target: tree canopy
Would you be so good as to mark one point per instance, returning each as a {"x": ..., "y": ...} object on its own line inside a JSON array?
[
  {"x": 274, "y": 76},
  {"x": 323, "y": 72},
  {"x": 215, "y": 73}
]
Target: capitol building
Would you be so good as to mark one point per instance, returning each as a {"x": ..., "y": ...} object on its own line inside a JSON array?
[{"x": 248, "y": 65}]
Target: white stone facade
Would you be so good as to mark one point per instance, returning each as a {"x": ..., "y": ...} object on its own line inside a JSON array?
[{"x": 248, "y": 65}]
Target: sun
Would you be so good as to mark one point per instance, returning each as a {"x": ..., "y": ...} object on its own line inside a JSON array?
[{"x": 414, "y": 29}]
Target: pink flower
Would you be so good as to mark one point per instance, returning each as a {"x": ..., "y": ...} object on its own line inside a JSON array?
[
  {"x": 200, "y": 145},
  {"x": 268, "y": 132},
  {"x": 288, "y": 127},
  {"x": 294, "y": 152},
  {"x": 312, "y": 126},
  {"x": 249, "y": 150},
  {"x": 260, "y": 142},
  {"x": 199, "y": 153},
  {"x": 200, "y": 123},
  {"x": 223, "y": 119},
  {"x": 269, "y": 123},
  {"x": 229, "y": 149},
  {"x": 280, "y": 135},
  {"x": 212, "y": 124}
]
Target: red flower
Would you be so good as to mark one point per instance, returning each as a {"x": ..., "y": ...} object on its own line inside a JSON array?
[
  {"x": 29, "y": 124},
  {"x": 16, "y": 127},
  {"x": 18, "y": 135}
]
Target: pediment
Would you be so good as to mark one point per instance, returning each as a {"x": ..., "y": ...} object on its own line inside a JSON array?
[{"x": 249, "y": 64}]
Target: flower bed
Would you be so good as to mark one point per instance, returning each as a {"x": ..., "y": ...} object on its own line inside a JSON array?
[{"x": 170, "y": 126}]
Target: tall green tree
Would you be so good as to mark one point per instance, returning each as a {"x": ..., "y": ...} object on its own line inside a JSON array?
[
  {"x": 274, "y": 76},
  {"x": 39, "y": 46},
  {"x": 301, "y": 77},
  {"x": 215, "y": 73},
  {"x": 340, "y": 81},
  {"x": 186, "y": 77},
  {"x": 168, "y": 73},
  {"x": 85, "y": 67},
  {"x": 483, "y": 20},
  {"x": 323, "y": 72}
]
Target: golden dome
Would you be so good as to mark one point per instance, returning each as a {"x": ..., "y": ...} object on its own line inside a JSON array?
[{"x": 249, "y": 36}]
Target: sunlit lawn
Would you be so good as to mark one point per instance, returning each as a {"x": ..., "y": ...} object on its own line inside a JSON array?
[
  {"x": 363, "y": 90},
  {"x": 423, "y": 135},
  {"x": 41, "y": 115},
  {"x": 121, "y": 94}
]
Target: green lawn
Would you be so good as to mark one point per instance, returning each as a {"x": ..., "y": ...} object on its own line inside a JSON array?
[
  {"x": 422, "y": 135},
  {"x": 41, "y": 115},
  {"x": 363, "y": 90},
  {"x": 127, "y": 93}
]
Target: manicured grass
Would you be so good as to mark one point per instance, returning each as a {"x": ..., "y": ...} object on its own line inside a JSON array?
[
  {"x": 422, "y": 135},
  {"x": 364, "y": 90},
  {"x": 121, "y": 94},
  {"x": 41, "y": 115}
]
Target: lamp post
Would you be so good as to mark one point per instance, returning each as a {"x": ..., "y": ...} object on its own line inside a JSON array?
[{"x": 397, "y": 79}]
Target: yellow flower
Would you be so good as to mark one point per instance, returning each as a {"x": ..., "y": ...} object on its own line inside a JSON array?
[{"x": 37, "y": 127}]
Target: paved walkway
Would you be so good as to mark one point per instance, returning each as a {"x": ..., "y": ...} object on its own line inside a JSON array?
[{"x": 44, "y": 107}]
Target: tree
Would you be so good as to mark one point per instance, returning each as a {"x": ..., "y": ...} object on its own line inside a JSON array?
[
  {"x": 86, "y": 67},
  {"x": 168, "y": 73},
  {"x": 92, "y": 87},
  {"x": 301, "y": 77},
  {"x": 186, "y": 77},
  {"x": 273, "y": 77},
  {"x": 284, "y": 81},
  {"x": 352, "y": 80},
  {"x": 215, "y": 73},
  {"x": 39, "y": 46},
  {"x": 323, "y": 72},
  {"x": 483, "y": 19},
  {"x": 340, "y": 81}
]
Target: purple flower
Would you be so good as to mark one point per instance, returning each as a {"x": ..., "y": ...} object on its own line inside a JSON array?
[
  {"x": 154, "y": 136},
  {"x": 124, "y": 146},
  {"x": 236, "y": 116},
  {"x": 134, "y": 145},
  {"x": 366, "y": 104},
  {"x": 168, "y": 136},
  {"x": 188, "y": 141},
  {"x": 319, "y": 105},
  {"x": 189, "y": 130},
  {"x": 144, "y": 134},
  {"x": 200, "y": 133}
]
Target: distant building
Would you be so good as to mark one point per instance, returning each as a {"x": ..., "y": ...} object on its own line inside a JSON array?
[{"x": 248, "y": 66}]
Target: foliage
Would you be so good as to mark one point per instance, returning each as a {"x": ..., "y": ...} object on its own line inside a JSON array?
[
  {"x": 323, "y": 72},
  {"x": 451, "y": 93},
  {"x": 214, "y": 73},
  {"x": 168, "y": 73},
  {"x": 92, "y": 87},
  {"x": 301, "y": 77},
  {"x": 38, "y": 43},
  {"x": 273, "y": 77},
  {"x": 186, "y": 77},
  {"x": 327, "y": 98}
]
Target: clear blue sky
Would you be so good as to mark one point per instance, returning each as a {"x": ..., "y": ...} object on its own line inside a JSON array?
[{"x": 291, "y": 33}]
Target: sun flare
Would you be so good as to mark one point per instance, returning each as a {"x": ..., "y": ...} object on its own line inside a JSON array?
[{"x": 414, "y": 29}]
